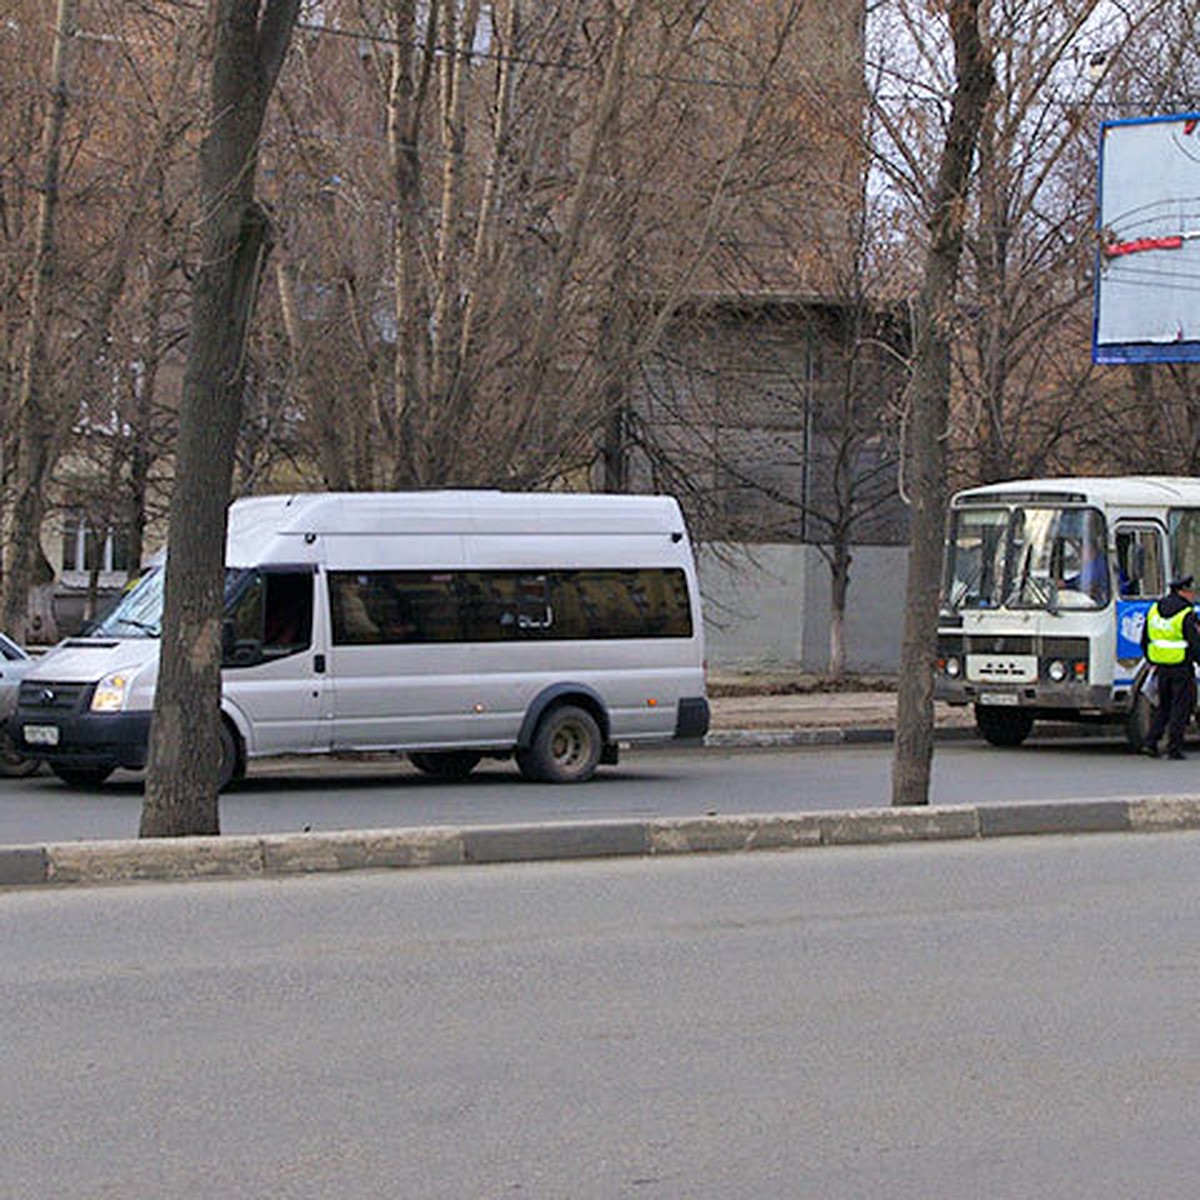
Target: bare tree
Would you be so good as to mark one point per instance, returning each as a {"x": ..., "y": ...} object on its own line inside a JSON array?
[
  {"x": 560, "y": 179},
  {"x": 249, "y": 43},
  {"x": 1027, "y": 385},
  {"x": 35, "y": 419},
  {"x": 930, "y": 403}
]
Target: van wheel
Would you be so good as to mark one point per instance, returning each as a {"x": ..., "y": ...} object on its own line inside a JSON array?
[
  {"x": 82, "y": 776},
  {"x": 229, "y": 768},
  {"x": 1003, "y": 726},
  {"x": 14, "y": 764},
  {"x": 445, "y": 764},
  {"x": 565, "y": 748}
]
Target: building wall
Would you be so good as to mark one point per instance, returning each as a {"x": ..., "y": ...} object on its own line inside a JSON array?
[{"x": 768, "y": 606}]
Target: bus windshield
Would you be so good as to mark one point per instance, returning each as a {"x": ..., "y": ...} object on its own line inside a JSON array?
[
  {"x": 1027, "y": 556},
  {"x": 138, "y": 613}
]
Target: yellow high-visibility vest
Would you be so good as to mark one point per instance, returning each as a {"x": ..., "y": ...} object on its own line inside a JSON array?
[{"x": 1166, "y": 644}]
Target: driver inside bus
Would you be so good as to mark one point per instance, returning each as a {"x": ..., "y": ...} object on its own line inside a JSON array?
[{"x": 1092, "y": 576}]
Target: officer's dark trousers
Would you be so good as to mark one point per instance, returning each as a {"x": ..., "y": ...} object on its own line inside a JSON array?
[{"x": 1176, "y": 699}]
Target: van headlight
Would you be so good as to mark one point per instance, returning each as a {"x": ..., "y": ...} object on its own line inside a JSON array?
[
  {"x": 109, "y": 695},
  {"x": 1057, "y": 671},
  {"x": 953, "y": 667}
]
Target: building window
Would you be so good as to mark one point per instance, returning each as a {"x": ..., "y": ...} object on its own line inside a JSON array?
[{"x": 86, "y": 549}]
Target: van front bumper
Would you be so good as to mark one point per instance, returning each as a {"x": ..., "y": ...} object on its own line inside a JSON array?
[{"x": 84, "y": 739}]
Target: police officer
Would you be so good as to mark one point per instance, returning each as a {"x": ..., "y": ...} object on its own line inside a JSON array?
[{"x": 1171, "y": 642}]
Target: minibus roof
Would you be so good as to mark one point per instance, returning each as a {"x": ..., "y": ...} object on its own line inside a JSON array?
[{"x": 255, "y": 521}]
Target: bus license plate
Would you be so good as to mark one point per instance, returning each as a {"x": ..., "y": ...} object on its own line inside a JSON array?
[
  {"x": 1009, "y": 698},
  {"x": 41, "y": 735}
]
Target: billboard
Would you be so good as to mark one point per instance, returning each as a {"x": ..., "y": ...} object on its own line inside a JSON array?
[{"x": 1147, "y": 304}]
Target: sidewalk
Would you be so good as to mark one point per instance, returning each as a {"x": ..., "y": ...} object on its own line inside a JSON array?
[{"x": 777, "y": 708}]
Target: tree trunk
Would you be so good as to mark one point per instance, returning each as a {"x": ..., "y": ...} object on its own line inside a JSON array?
[
  {"x": 182, "y": 778},
  {"x": 839, "y": 577},
  {"x": 409, "y": 87},
  {"x": 930, "y": 394}
]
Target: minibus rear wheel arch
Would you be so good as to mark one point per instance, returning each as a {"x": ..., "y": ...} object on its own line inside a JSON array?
[{"x": 562, "y": 693}]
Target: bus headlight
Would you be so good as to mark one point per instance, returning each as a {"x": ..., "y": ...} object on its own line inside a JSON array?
[
  {"x": 1057, "y": 670},
  {"x": 109, "y": 695},
  {"x": 953, "y": 667}
]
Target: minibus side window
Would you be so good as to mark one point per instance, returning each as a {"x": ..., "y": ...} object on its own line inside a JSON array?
[
  {"x": 383, "y": 608},
  {"x": 288, "y": 613},
  {"x": 271, "y": 618},
  {"x": 502, "y": 606},
  {"x": 634, "y": 603},
  {"x": 393, "y": 607}
]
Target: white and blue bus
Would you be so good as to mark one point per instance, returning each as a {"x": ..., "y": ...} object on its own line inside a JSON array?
[{"x": 1045, "y": 591}]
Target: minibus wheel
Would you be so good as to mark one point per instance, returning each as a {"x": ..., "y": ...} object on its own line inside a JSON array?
[
  {"x": 1003, "y": 726},
  {"x": 445, "y": 764},
  {"x": 227, "y": 772},
  {"x": 565, "y": 748}
]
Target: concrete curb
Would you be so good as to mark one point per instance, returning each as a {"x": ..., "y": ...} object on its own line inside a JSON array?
[
  {"x": 281, "y": 855},
  {"x": 866, "y": 734}
]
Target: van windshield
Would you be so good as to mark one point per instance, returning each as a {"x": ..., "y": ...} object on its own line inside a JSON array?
[
  {"x": 138, "y": 613},
  {"x": 1035, "y": 556}
]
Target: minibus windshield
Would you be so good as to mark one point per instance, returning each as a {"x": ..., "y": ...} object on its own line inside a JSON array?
[
  {"x": 1035, "y": 556},
  {"x": 138, "y": 613}
]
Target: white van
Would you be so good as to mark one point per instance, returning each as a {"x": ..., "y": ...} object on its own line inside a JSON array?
[{"x": 449, "y": 625}]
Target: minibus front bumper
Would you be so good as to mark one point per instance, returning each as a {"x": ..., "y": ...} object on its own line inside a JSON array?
[{"x": 83, "y": 740}]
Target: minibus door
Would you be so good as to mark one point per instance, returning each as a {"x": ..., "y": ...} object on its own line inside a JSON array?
[{"x": 275, "y": 660}]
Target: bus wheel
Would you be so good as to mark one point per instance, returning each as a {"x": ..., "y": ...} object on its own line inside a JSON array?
[
  {"x": 445, "y": 764},
  {"x": 82, "y": 776},
  {"x": 565, "y": 748},
  {"x": 1003, "y": 726}
]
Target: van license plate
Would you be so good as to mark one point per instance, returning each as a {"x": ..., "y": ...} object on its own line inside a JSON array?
[
  {"x": 41, "y": 735},
  {"x": 1007, "y": 698}
]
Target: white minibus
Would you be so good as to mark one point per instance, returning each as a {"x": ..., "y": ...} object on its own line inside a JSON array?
[
  {"x": 449, "y": 625},
  {"x": 1045, "y": 592}
]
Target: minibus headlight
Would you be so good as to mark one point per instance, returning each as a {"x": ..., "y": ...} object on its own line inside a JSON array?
[
  {"x": 1057, "y": 670},
  {"x": 109, "y": 695},
  {"x": 953, "y": 667}
]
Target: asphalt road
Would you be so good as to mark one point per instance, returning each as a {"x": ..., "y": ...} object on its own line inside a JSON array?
[
  {"x": 1006, "y": 1020},
  {"x": 323, "y": 795}
]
